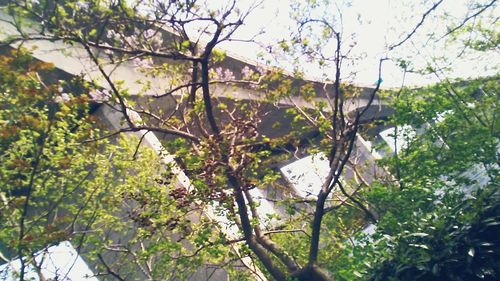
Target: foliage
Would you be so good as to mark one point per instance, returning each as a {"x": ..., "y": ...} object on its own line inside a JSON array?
[
  {"x": 42, "y": 159},
  {"x": 438, "y": 222},
  {"x": 455, "y": 243},
  {"x": 453, "y": 240},
  {"x": 57, "y": 185},
  {"x": 456, "y": 128},
  {"x": 148, "y": 223}
]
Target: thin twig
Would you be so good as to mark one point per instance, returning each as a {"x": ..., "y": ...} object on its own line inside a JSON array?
[
  {"x": 148, "y": 128},
  {"x": 409, "y": 35},
  {"x": 108, "y": 269},
  {"x": 467, "y": 19}
]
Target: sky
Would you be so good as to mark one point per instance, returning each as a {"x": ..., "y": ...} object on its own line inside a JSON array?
[
  {"x": 58, "y": 262},
  {"x": 376, "y": 24}
]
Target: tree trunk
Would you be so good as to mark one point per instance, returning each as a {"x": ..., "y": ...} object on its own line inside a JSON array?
[{"x": 312, "y": 272}]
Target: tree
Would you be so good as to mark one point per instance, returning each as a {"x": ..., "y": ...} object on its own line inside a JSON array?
[
  {"x": 45, "y": 170},
  {"x": 61, "y": 180},
  {"x": 437, "y": 218},
  {"x": 436, "y": 221},
  {"x": 43, "y": 163},
  {"x": 217, "y": 137},
  {"x": 449, "y": 240}
]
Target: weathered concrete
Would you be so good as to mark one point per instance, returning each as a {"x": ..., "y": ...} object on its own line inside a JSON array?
[{"x": 74, "y": 59}]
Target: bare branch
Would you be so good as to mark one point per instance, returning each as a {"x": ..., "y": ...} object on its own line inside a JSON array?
[
  {"x": 484, "y": 8},
  {"x": 139, "y": 145},
  {"x": 151, "y": 129},
  {"x": 108, "y": 269},
  {"x": 419, "y": 24},
  {"x": 121, "y": 100},
  {"x": 360, "y": 205}
]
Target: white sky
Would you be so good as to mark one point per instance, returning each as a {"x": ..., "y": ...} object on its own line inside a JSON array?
[
  {"x": 383, "y": 22},
  {"x": 58, "y": 262},
  {"x": 307, "y": 174}
]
